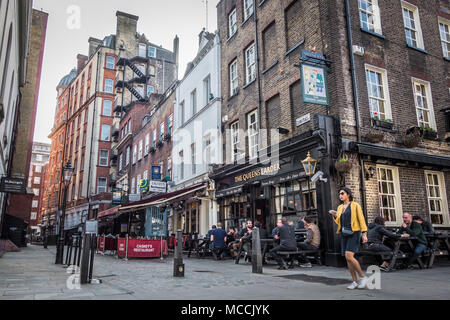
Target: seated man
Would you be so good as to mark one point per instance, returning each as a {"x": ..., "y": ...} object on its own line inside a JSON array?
[
  {"x": 375, "y": 237},
  {"x": 427, "y": 227},
  {"x": 245, "y": 237},
  {"x": 312, "y": 241},
  {"x": 286, "y": 234},
  {"x": 412, "y": 228},
  {"x": 218, "y": 241}
]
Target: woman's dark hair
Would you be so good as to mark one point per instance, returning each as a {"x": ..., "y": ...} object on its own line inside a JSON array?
[
  {"x": 379, "y": 220},
  {"x": 347, "y": 191},
  {"x": 308, "y": 219}
]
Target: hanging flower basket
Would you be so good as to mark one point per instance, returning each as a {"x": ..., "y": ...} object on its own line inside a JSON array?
[
  {"x": 343, "y": 165},
  {"x": 411, "y": 138},
  {"x": 375, "y": 136}
]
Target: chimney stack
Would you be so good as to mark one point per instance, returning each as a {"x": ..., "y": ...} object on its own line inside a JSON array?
[
  {"x": 176, "y": 52},
  {"x": 93, "y": 45},
  {"x": 126, "y": 31},
  {"x": 81, "y": 62}
]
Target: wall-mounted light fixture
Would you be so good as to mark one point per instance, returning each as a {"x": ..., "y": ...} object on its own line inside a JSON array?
[{"x": 370, "y": 173}]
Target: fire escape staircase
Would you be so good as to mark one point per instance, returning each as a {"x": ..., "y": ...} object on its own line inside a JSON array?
[{"x": 140, "y": 78}]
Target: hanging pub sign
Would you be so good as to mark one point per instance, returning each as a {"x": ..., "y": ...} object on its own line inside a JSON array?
[
  {"x": 314, "y": 78},
  {"x": 117, "y": 197},
  {"x": 158, "y": 187},
  {"x": 143, "y": 184},
  {"x": 156, "y": 173},
  {"x": 13, "y": 185}
]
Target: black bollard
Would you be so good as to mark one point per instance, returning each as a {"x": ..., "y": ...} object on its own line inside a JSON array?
[
  {"x": 84, "y": 271},
  {"x": 256, "y": 252},
  {"x": 91, "y": 262},
  {"x": 79, "y": 249},
  {"x": 178, "y": 266},
  {"x": 75, "y": 253},
  {"x": 69, "y": 252}
]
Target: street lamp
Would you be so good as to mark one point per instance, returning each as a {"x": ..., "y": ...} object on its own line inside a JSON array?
[
  {"x": 309, "y": 164},
  {"x": 67, "y": 172}
]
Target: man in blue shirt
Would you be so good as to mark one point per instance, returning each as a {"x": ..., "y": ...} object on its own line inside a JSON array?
[{"x": 218, "y": 240}]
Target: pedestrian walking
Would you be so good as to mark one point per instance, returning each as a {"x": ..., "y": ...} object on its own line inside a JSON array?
[{"x": 352, "y": 225}]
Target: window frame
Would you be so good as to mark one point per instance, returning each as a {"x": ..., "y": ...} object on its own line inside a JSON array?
[
  {"x": 397, "y": 194},
  {"x": 235, "y": 140},
  {"x": 107, "y": 80},
  {"x": 377, "y": 28},
  {"x": 110, "y": 109},
  {"x": 207, "y": 89},
  {"x": 444, "y": 22},
  {"x": 232, "y": 23},
  {"x": 247, "y": 9},
  {"x": 100, "y": 158},
  {"x": 99, "y": 186},
  {"x": 234, "y": 81},
  {"x": 418, "y": 29},
  {"x": 253, "y": 133},
  {"x": 385, "y": 85},
  {"x": 442, "y": 198},
  {"x": 250, "y": 68},
  {"x": 102, "y": 131},
  {"x": 429, "y": 97},
  {"x": 108, "y": 63},
  {"x": 194, "y": 102},
  {"x": 150, "y": 49}
]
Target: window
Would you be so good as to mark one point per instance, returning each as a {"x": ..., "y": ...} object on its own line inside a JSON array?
[
  {"x": 207, "y": 140},
  {"x": 369, "y": 14},
  {"x": 270, "y": 45},
  {"x": 110, "y": 62},
  {"x": 35, "y": 204},
  {"x": 104, "y": 157},
  {"x": 138, "y": 184},
  {"x": 194, "y": 102},
  {"x": 248, "y": 8},
  {"x": 133, "y": 186},
  {"x": 152, "y": 52},
  {"x": 142, "y": 50},
  {"x": 232, "y": 23},
  {"x": 436, "y": 194},
  {"x": 145, "y": 176},
  {"x": 107, "y": 108},
  {"x": 154, "y": 139},
  {"x": 147, "y": 144},
  {"x": 101, "y": 188},
  {"x": 150, "y": 90},
  {"x": 233, "y": 78},
  {"x": 140, "y": 150},
  {"x": 109, "y": 84},
  {"x": 33, "y": 216},
  {"x": 106, "y": 132},
  {"x": 378, "y": 92},
  {"x": 182, "y": 113},
  {"x": 411, "y": 22},
  {"x": 250, "y": 64},
  {"x": 253, "y": 134},
  {"x": 38, "y": 169},
  {"x": 194, "y": 168},
  {"x": 170, "y": 124},
  {"x": 181, "y": 165},
  {"x": 444, "y": 26},
  {"x": 293, "y": 33},
  {"x": 294, "y": 198},
  {"x": 234, "y": 141},
  {"x": 120, "y": 161},
  {"x": 169, "y": 169},
  {"x": 424, "y": 104},
  {"x": 161, "y": 131},
  {"x": 127, "y": 158},
  {"x": 134, "y": 153},
  {"x": 207, "y": 90},
  {"x": 39, "y": 157},
  {"x": 36, "y": 192},
  {"x": 389, "y": 194},
  {"x": 37, "y": 180}
]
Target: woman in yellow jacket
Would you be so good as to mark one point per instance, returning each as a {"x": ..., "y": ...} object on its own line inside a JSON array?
[{"x": 352, "y": 226}]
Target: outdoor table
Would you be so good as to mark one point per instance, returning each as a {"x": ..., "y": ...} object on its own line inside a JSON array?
[
  {"x": 265, "y": 250},
  {"x": 438, "y": 239},
  {"x": 200, "y": 246},
  {"x": 395, "y": 254}
]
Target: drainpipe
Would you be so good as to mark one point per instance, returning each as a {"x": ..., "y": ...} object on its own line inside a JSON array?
[
  {"x": 258, "y": 77},
  {"x": 92, "y": 135},
  {"x": 356, "y": 102}
]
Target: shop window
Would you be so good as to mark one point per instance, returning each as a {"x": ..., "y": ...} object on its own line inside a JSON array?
[
  {"x": 234, "y": 211},
  {"x": 295, "y": 198}
]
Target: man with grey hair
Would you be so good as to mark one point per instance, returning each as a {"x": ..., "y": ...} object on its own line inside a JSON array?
[
  {"x": 411, "y": 228},
  {"x": 286, "y": 234}
]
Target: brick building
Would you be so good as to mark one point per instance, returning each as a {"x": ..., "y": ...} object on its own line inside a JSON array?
[
  {"x": 385, "y": 76},
  {"x": 36, "y": 181}
]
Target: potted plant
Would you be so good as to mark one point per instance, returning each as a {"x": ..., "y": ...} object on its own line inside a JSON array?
[
  {"x": 381, "y": 123},
  {"x": 411, "y": 137},
  {"x": 374, "y": 135},
  {"x": 428, "y": 133},
  {"x": 343, "y": 165}
]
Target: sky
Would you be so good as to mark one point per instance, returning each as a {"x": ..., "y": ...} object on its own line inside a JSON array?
[{"x": 72, "y": 22}]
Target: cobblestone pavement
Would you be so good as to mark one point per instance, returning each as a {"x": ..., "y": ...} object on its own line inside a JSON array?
[{"x": 31, "y": 274}]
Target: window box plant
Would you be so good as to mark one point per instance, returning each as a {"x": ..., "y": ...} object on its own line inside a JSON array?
[
  {"x": 428, "y": 133},
  {"x": 411, "y": 137},
  {"x": 374, "y": 135},
  {"x": 382, "y": 123},
  {"x": 343, "y": 165}
]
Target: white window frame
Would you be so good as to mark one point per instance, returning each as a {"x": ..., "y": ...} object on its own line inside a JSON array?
[
  {"x": 120, "y": 161},
  {"x": 207, "y": 148},
  {"x": 253, "y": 135},
  {"x": 127, "y": 158},
  {"x": 429, "y": 98},
  {"x": 386, "y": 100},
  {"x": 154, "y": 138},
  {"x": 108, "y": 63},
  {"x": 194, "y": 102},
  {"x": 375, "y": 13},
  {"x": 232, "y": 23},
  {"x": 181, "y": 155},
  {"x": 134, "y": 154},
  {"x": 443, "y": 197},
  {"x": 150, "y": 90},
  {"x": 142, "y": 50},
  {"x": 248, "y": 8},
  {"x": 417, "y": 28},
  {"x": 234, "y": 140},
  {"x": 207, "y": 89},
  {"x": 138, "y": 183},
  {"x": 37, "y": 180},
  {"x": 104, "y": 127},
  {"x": 445, "y": 43},
  {"x": 151, "y": 52},
  {"x": 109, "y": 85},
  {"x": 182, "y": 113},
  {"x": 38, "y": 169},
  {"x": 133, "y": 186},
  {"x": 234, "y": 77},
  {"x": 193, "y": 158},
  {"x": 397, "y": 195},
  {"x": 33, "y": 216},
  {"x": 161, "y": 131},
  {"x": 100, "y": 158},
  {"x": 35, "y": 204},
  {"x": 147, "y": 144},
  {"x": 140, "y": 150},
  {"x": 250, "y": 64},
  {"x": 106, "y": 101},
  {"x": 145, "y": 175},
  {"x": 36, "y": 192},
  {"x": 100, "y": 186}
]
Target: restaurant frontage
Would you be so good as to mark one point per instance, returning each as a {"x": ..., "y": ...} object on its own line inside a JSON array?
[{"x": 279, "y": 187}]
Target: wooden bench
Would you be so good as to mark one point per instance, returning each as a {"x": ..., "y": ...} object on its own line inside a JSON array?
[{"x": 290, "y": 255}]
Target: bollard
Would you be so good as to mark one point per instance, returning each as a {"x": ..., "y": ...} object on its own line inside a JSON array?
[
  {"x": 91, "y": 261},
  {"x": 84, "y": 271},
  {"x": 126, "y": 248},
  {"x": 79, "y": 240},
  {"x": 162, "y": 258},
  {"x": 178, "y": 266},
  {"x": 256, "y": 252}
]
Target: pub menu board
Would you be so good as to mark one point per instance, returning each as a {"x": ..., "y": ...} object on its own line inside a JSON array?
[{"x": 13, "y": 185}]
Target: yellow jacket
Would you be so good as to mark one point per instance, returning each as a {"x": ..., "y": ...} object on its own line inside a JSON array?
[{"x": 357, "y": 220}]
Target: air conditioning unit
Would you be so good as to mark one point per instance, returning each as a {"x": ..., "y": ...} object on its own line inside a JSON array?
[{"x": 358, "y": 50}]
